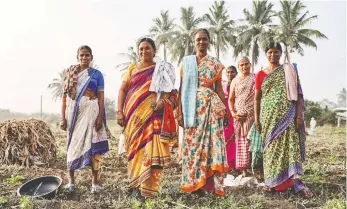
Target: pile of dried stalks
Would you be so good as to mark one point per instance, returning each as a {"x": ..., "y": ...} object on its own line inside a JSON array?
[{"x": 26, "y": 142}]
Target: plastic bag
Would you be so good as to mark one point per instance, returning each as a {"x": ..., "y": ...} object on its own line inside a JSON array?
[{"x": 121, "y": 148}]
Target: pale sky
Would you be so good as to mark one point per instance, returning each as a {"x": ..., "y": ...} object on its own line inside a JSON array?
[{"x": 40, "y": 37}]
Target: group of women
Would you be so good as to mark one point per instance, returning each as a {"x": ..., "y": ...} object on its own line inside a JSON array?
[{"x": 222, "y": 121}]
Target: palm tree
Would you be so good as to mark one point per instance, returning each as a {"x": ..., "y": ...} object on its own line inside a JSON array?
[
  {"x": 256, "y": 32},
  {"x": 162, "y": 30},
  {"x": 182, "y": 42},
  {"x": 57, "y": 85},
  {"x": 291, "y": 32},
  {"x": 132, "y": 57},
  {"x": 220, "y": 27}
]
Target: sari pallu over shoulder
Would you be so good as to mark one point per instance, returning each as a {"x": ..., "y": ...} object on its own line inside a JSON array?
[
  {"x": 94, "y": 142},
  {"x": 203, "y": 147},
  {"x": 146, "y": 152},
  {"x": 283, "y": 147}
]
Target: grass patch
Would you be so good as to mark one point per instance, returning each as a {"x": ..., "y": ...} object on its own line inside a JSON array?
[
  {"x": 335, "y": 204},
  {"x": 3, "y": 201},
  {"x": 26, "y": 203},
  {"x": 324, "y": 174},
  {"x": 15, "y": 180}
]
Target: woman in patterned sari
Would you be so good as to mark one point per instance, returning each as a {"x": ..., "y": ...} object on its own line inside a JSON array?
[
  {"x": 279, "y": 118},
  {"x": 146, "y": 101},
  {"x": 229, "y": 135},
  {"x": 83, "y": 116},
  {"x": 241, "y": 102},
  {"x": 201, "y": 112}
]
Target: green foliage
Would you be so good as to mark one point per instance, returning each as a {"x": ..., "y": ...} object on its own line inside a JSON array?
[
  {"x": 328, "y": 117},
  {"x": 26, "y": 203},
  {"x": 255, "y": 33},
  {"x": 335, "y": 204},
  {"x": 3, "y": 200},
  {"x": 57, "y": 85},
  {"x": 136, "y": 204},
  {"x": 15, "y": 179},
  {"x": 322, "y": 116},
  {"x": 313, "y": 109},
  {"x": 163, "y": 30},
  {"x": 291, "y": 31},
  {"x": 182, "y": 43},
  {"x": 220, "y": 27}
]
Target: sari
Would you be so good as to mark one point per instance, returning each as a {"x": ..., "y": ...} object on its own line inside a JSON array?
[
  {"x": 85, "y": 144},
  {"x": 203, "y": 147},
  {"x": 283, "y": 147},
  {"x": 244, "y": 105},
  {"x": 229, "y": 130},
  {"x": 147, "y": 150}
]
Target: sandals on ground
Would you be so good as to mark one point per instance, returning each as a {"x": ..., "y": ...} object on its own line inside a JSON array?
[
  {"x": 69, "y": 188},
  {"x": 95, "y": 189},
  {"x": 306, "y": 193},
  {"x": 267, "y": 189}
]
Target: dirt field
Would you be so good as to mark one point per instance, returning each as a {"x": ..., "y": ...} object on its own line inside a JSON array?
[{"x": 324, "y": 174}]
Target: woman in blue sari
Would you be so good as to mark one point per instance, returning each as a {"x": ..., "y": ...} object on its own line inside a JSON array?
[{"x": 83, "y": 116}]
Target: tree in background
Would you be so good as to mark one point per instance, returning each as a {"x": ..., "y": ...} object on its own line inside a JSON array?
[
  {"x": 291, "y": 31},
  {"x": 256, "y": 31},
  {"x": 321, "y": 115},
  {"x": 182, "y": 43},
  {"x": 163, "y": 30},
  {"x": 220, "y": 27},
  {"x": 57, "y": 85},
  {"x": 132, "y": 57}
]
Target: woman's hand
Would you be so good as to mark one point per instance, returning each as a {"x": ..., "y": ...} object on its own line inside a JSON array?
[
  {"x": 98, "y": 123},
  {"x": 63, "y": 124},
  {"x": 159, "y": 106},
  {"x": 226, "y": 120},
  {"x": 120, "y": 118},
  {"x": 258, "y": 126},
  {"x": 180, "y": 120},
  {"x": 239, "y": 117},
  {"x": 299, "y": 124}
]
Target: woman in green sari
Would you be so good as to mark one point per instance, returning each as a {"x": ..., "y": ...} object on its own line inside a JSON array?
[{"x": 279, "y": 118}]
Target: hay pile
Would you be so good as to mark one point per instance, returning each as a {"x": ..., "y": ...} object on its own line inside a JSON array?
[{"x": 26, "y": 142}]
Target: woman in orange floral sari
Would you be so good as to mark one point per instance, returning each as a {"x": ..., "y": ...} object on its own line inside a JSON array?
[
  {"x": 201, "y": 113},
  {"x": 146, "y": 101}
]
